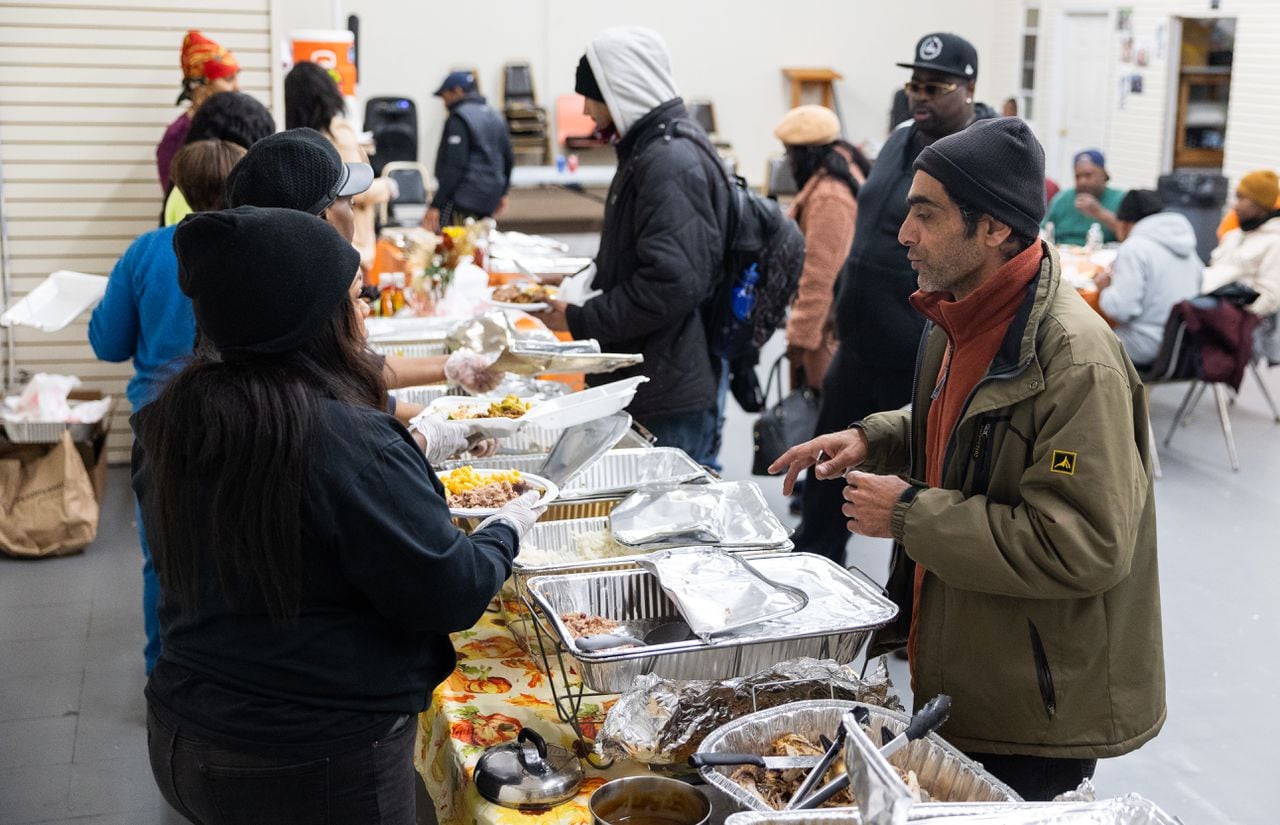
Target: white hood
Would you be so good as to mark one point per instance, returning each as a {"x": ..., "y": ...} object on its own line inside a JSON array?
[{"x": 633, "y": 69}]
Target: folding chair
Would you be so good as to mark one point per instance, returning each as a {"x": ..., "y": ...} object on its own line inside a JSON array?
[{"x": 409, "y": 207}]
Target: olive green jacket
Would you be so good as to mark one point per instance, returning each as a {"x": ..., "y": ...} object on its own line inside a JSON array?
[{"x": 1040, "y": 608}]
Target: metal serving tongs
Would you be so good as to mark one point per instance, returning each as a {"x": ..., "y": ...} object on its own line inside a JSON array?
[
  {"x": 929, "y": 719},
  {"x": 824, "y": 765}
]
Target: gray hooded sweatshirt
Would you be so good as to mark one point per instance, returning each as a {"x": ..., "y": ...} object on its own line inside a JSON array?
[
  {"x": 1157, "y": 267},
  {"x": 633, "y": 69}
]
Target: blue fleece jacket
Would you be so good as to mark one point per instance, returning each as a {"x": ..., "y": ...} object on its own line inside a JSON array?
[{"x": 145, "y": 316}]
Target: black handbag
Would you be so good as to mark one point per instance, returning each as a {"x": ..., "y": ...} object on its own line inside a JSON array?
[{"x": 790, "y": 421}]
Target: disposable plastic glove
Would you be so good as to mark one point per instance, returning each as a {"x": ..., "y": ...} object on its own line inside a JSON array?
[
  {"x": 473, "y": 372},
  {"x": 519, "y": 513},
  {"x": 445, "y": 439}
]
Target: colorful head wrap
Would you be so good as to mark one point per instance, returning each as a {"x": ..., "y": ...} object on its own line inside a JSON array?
[{"x": 204, "y": 60}]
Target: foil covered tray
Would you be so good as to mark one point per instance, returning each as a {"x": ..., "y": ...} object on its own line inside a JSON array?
[
  {"x": 842, "y": 612},
  {"x": 533, "y": 353},
  {"x": 572, "y": 545},
  {"x": 1122, "y": 810},
  {"x": 617, "y": 472},
  {"x": 943, "y": 771},
  {"x": 725, "y": 514}
]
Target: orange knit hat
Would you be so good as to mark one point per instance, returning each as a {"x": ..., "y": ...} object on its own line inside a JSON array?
[{"x": 1262, "y": 187}]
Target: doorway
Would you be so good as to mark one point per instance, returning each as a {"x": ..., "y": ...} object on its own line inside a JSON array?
[{"x": 1083, "y": 87}]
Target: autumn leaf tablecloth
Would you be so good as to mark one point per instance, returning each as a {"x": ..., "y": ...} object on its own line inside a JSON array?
[{"x": 495, "y": 691}]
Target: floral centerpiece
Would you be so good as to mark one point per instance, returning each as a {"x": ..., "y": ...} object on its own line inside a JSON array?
[{"x": 429, "y": 260}]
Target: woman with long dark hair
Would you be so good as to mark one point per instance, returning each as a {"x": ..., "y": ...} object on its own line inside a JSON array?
[
  {"x": 312, "y": 99},
  {"x": 308, "y": 567},
  {"x": 828, "y": 171}
]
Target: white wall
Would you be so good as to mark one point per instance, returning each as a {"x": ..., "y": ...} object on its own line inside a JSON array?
[
  {"x": 730, "y": 52},
  {"x": 1140, "y": 133}
]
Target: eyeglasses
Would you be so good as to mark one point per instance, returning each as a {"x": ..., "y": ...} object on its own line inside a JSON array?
[{"x": 914, "y": 87}]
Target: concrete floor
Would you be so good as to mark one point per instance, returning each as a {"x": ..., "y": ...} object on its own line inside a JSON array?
[{"x": 72, "y": 739}]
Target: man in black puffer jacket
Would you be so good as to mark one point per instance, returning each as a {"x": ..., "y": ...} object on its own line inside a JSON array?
[{"x": 662, "y": 245}]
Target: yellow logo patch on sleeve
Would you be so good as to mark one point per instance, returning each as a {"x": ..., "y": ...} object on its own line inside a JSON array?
[{"x": 1063, "y": 462}]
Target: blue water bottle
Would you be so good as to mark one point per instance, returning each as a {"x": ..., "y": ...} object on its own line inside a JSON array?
[{"x": 744, "y": 294}]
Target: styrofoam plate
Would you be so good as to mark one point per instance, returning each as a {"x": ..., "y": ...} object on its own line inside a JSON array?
[
  {"x": 549, "y": 493},
  {"x": 494, "y": 427},
  {"x": 56, "y": 301}
]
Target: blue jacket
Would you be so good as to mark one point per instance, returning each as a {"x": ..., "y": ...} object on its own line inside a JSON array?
[{"x": 145, "y": 316}]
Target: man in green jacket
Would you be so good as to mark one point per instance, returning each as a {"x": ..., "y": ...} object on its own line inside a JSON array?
[{"x": 1017, "y": 486}]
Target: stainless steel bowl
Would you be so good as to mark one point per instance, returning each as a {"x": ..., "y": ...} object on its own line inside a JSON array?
[{"x": 649, "y": 800}]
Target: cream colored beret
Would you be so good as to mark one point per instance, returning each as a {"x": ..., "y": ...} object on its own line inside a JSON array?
[{"x": 808, "y": 126}]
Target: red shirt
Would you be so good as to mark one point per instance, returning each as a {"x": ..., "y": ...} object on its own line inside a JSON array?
[{"x": 975, "y": 326}]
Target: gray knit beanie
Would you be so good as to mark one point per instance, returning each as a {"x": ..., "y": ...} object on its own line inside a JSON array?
[{"x": 995, "y": 166}]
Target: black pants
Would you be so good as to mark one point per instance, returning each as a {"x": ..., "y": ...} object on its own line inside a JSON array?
[
  {"x": 210, "y": 784},
  {"x": 850, "y": 392},
  {"x": 1037, "y": 778}
]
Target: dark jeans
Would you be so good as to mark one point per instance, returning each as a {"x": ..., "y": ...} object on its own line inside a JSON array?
[
  {"x": 211, "y": 784},
  {"x": 693, "y": 432},
  {"x": 1037, "y": 778},
  {"x": 850, "y": 393}
]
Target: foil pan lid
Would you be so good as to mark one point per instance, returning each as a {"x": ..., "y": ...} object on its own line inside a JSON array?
[
  {"x": 728, "y": 514},
  {"x": 718, "y": 593}
]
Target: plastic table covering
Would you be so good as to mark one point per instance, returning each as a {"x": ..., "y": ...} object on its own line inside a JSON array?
[{"x": 495, "y": 691}]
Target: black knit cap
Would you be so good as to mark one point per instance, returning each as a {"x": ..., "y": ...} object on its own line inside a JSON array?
[
  {"x": 1138, "y": 204},
  {"x": 297, "y": 169},
  {"x": 262, "y": 280},
  {"x": 586, "y": 84},
  {"x": 995, "y": 166}
]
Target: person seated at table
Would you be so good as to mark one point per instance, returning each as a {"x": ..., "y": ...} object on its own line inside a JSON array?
[
  {"x": 301, "y": 169},
  {"x": 1073, "y": 211},
  {"x": 309, "y": 569},
  {"x": 1155, "y": 268},
  {"x": 1250, "y": 256}
]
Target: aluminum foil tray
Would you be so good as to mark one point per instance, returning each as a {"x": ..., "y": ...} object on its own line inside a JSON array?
[
  {"x": 724, "y": 514},
  {"x": 943, "y": 771},
  {"x": 617, "y": 473},
  {"x": 408, "y": 349},
  {"x": 562, "y": 537},
  {"x": 635, "y": 597},
  {"x": 1123, "y": 810},
  {"x": 946, "y": 773}
]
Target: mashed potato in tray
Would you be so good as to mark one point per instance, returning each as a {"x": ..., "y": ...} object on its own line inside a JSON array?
[{"x": 588, "y": 547}]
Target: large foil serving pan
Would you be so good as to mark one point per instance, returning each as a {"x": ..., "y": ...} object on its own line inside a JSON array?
[
  {"x": 617, "y": 473},
  {"x": 635, "y": 598},
  {"x": 943, "y": 771},
  {"x": 724, "y": 514},
  {"x": 554, "y": 545},
  {"x": 946, "y": 773},
  {"x": 1122, "y": 810}
]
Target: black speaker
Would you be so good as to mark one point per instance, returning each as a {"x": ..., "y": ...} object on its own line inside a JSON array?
[{"x": 394, "y": 123}]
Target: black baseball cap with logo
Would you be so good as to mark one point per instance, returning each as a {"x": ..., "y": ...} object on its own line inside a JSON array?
[{"x": 947, "y": 53}]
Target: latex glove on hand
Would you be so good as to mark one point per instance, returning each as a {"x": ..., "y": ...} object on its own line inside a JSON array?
[
  {"x": 484, "y": 448},
  {"x": 445, "y": 439},
  {"x": 473, "y": 372},
  {"x": 519, "y": 513}
]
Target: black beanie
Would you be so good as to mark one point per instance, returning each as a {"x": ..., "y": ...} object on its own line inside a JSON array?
[
  {"x": 995, "y": 166},
  {"x": 586, "y": 84},
  {"x": 1138, "y": 204},
  {"x": 262, "y": 280},
  {"x": 295, "y": 169}
]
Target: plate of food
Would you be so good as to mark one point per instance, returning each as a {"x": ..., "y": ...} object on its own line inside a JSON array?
[
  {"x": 497, "y": 417},
  {"x": 527, "y": 295},
  {"x": 472, "y": 493}
]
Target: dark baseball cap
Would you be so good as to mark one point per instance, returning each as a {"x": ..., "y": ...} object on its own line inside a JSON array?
[
  {"x": 297, "y": 169},
  {"x": 461, "y": 79},
  {"x": 947, "y": 53}
]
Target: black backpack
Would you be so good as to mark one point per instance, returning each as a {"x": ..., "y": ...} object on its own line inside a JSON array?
[{"x": 761, "y": 234}]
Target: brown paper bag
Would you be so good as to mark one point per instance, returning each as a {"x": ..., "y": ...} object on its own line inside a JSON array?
[{"x": 47, "y": 507}]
